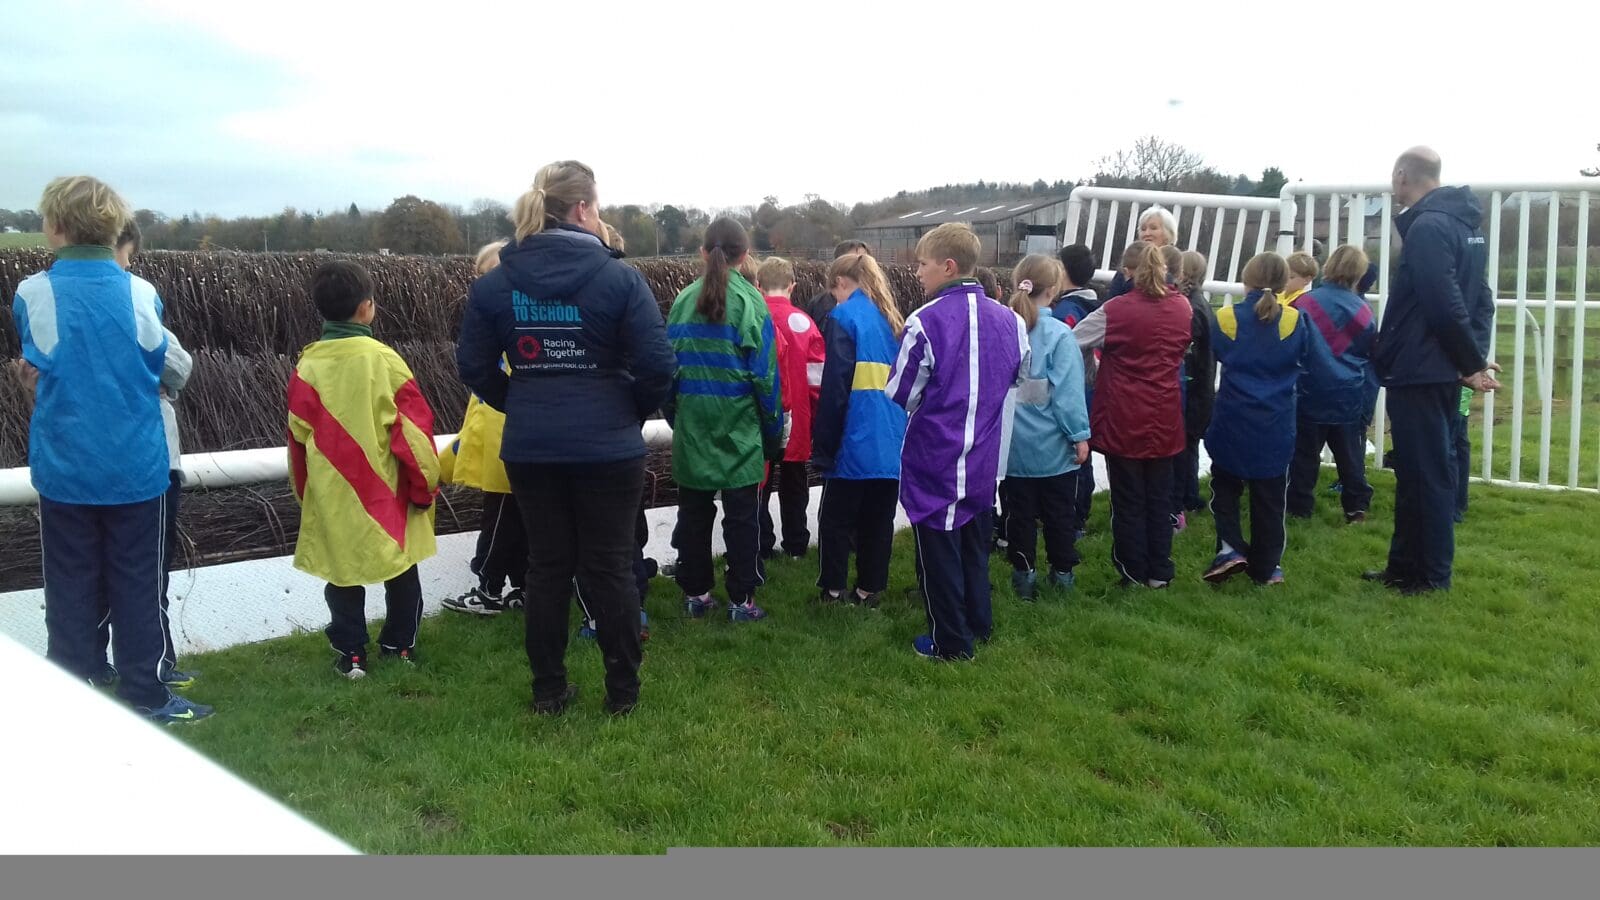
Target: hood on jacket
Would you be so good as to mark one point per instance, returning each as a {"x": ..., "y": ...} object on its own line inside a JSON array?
[
  {"x": 554, "y": 263},
  {"x": 1457, "y": 202}
]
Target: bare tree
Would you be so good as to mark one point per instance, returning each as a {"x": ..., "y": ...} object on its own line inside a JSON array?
[{"x": 1151, "y": 163}]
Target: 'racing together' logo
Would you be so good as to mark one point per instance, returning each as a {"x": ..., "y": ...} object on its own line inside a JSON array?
[{"x": 529, "y": 347}]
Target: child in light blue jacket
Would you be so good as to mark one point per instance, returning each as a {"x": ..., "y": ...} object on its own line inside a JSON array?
[{"x": 1049, "y": 438}]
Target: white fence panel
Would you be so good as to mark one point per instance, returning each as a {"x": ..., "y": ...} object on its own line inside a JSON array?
[{"x": 1532, "y": 384}]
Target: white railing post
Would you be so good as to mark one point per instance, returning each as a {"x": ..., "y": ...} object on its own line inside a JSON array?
[
  {"x": 1547, "y": 377},
  {"x": 1069, "y": 235},
  {"x": 1521, "y": 350},
  {"x": 1386, "y": 232},
  {"x": 1496, "y": 200},
  {"x": 1579, "y": 289},
  {"x": 1288, "y": 211}
]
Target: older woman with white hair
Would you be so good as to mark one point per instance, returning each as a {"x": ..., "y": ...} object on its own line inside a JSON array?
[{"x": 1157, "y": 226}]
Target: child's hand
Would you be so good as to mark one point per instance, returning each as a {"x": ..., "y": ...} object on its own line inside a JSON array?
[
  {"x": 26, "y": 375},
  {"x": 1082, "y": 448}
]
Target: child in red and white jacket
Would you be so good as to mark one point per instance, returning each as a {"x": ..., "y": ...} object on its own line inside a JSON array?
[{"x": 800, "y": 355}]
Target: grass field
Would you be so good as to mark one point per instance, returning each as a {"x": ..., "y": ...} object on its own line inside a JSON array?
[
  {"x": 1324, "y": 712},
  {"x": 21, "y": 240}
]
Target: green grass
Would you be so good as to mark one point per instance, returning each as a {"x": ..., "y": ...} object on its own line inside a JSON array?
[
  {"x": 22, "y": 240},
  {"x": 1327, "y": 711}
]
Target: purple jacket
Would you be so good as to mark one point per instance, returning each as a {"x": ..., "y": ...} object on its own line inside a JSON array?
[{"x": 960, "y": 361}]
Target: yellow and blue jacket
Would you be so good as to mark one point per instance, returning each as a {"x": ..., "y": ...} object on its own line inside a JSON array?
[{"x": 1252, "y": 424}]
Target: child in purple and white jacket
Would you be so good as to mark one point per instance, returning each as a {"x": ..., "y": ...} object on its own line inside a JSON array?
[{"x": 960, "y": 361}]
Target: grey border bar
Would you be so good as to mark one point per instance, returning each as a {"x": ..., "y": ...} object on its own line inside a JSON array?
[{"x": 979, "y": 874}]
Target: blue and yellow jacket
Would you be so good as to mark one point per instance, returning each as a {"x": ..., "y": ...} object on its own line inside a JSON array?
[
  {"x": 858, "y": 430},
  {"x": 1252, "y": 424}
]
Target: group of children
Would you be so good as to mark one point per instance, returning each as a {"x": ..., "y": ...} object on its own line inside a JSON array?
[{"x": 940, "y": 412}]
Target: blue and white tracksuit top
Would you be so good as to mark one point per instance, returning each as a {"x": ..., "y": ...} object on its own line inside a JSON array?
[
  {"x": 94, "y": 333},
  {"x": 1052, "y": 414}
]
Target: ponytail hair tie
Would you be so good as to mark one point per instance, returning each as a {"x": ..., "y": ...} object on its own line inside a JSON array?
[{"x": 1025, "y": 285}]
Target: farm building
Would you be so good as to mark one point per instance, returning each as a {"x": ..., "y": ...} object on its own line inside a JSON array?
[{"x": 1008, "y": 229}]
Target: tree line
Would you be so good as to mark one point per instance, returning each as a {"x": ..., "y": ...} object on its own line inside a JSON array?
[{"x": 413, "y": 225}]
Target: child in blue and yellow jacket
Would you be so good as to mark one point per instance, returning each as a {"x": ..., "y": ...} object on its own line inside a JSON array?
[{"x": 1261, "y": 346}]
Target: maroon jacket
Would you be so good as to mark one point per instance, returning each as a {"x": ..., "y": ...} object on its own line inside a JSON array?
[{"x": 1138, "y": 400}]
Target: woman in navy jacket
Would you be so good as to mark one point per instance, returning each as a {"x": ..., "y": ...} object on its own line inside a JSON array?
[{"x": 589, "y": 360}]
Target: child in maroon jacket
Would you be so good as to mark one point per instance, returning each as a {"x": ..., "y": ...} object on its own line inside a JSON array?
[{"x": 1137, "y": 417}]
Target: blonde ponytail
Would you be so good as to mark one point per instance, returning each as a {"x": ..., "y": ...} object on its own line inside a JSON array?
[
  {"x": 864, "y": 271},
  {"x": 556, "y": 190}
]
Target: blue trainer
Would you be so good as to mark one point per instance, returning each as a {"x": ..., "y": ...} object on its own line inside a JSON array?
[
  {"x": 925, "y": 647},
  {"x": 697, "y": 607},
  {"x": 1062, "y": 581},
  {"x": 1024, "y": 585},
  {"x": 747, "y": 611},
  {"x": 1225, "y": 566},
  {"x": 177, "y": 710}
]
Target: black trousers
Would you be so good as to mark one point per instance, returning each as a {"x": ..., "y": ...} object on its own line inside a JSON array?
[
  {"x": 347, "y": 606},
  {"x": 1425, "y": 467},
  {"x": 1031, "y": 501},
  {"x": 1085, "y": 496},
  {"x": 858, "y": 512},
  {"x": 1349, "y": 446},
  {"x": 106, "y": 557},
  {"x": 1461, "y": 439},
  {"x": 953, "y": 569},
  {"x": 741, "y": 533},
  {"x": 1264, "y": 549},
  {"x": 1186, "y": 478},
  {"x": 791, "y": 481},
  {"x": 502, "y": 553},
  {"x": 1141, "y": 517},
  {"x": 580, "y": 520},
  {"x": 643, "y": 569},
  {"x": 169, "y": 552}
]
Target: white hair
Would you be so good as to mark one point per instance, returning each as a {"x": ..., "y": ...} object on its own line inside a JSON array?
[{"x": 1169, "y": 222}]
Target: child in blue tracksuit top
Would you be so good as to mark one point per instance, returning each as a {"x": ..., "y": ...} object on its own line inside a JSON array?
[
  {"x": 1049, "y": 436},
  {"x": 857, "y": 434},
  {"x": 1261, "y": 346},
  {"x": 92, "y": 340}
]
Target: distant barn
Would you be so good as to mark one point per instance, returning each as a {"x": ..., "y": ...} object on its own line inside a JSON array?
[{"x": 1008, "y": 229}]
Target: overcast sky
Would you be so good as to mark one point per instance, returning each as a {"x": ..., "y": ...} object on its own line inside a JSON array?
[{"x": 240, "y": 108}]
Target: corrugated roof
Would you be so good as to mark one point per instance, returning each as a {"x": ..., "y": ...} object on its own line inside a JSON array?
[{"x": 982, "y": 213}]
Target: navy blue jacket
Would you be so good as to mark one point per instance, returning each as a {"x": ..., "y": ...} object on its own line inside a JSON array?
[
  {"x": 1440, "y": 295},
  {"x": 586, "y": 344}
]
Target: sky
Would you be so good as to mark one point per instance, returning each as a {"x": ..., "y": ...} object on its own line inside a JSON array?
[{"x": 247, "y": 108}]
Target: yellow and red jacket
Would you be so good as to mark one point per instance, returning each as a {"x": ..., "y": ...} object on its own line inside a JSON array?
[
  {"x": 361, "y": 459},
  {"x": 473, "y": 458}
]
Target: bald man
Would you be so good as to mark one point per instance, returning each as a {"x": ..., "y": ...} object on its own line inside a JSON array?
[{"x": 1426, "y": 351}]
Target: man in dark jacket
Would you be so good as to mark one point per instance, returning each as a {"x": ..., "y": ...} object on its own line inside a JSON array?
[
  {"x": 823, "y": 303},
  {"x": 1425, "y": 353}
]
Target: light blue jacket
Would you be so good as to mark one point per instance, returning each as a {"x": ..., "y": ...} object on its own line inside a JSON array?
[
  {"x": 94, "y": 333},
  {"x": 1051, "y": 414}
]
